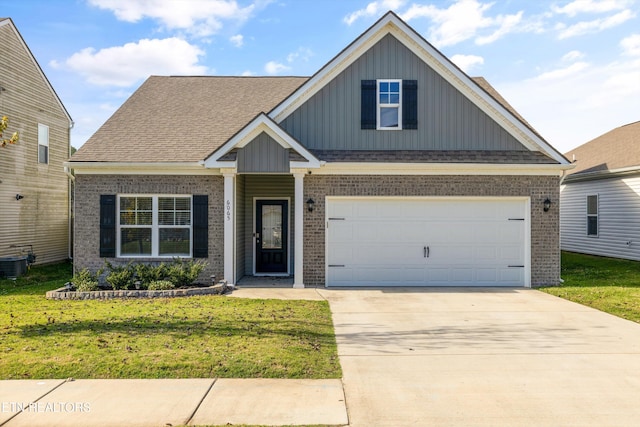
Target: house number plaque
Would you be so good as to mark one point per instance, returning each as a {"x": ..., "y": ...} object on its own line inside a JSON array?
[{"x": 228, "y": 210}]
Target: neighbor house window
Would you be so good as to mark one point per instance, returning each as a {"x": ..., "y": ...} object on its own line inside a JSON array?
[
  {"x": 154, "y": 226},
  {"x": 43, "y": 143},
  {"x": 592, "y": 215},
  {"x": 389, "y": 107}
]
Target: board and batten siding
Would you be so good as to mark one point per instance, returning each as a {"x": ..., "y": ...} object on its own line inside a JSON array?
[
  {"x": 268, "y": 187},
  {"x": 41, "y": 218},
  {"x": 447, "y": 120},
  {"x": 263, "y": 155},
  {"x": 618, "y": 217}
]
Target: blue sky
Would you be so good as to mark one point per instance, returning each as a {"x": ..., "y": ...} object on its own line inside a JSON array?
[{"x": 570, "y": 67}]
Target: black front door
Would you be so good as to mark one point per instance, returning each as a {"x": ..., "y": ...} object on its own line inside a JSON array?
[{"x": 271, "y": 236}]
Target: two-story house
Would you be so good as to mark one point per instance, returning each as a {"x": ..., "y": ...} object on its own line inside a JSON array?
[
  {"x": 34, "y": 188},
  {"x": 388, "y": 167}
]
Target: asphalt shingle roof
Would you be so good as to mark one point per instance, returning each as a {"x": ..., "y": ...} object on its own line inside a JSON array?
[
  {"x": 183, "y": 119},
  {"x": 616, "y": 149}
]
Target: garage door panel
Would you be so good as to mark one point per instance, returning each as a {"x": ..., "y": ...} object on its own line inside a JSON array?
[{"x": 382, "y": 242}]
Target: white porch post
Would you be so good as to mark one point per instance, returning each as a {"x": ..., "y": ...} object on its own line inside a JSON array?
[
  {"x": 298, "y": 277},
  {"x": 229, "y": 226}
]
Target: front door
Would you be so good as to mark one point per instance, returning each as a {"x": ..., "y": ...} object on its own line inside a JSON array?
[{"x": 271, "y": 236}]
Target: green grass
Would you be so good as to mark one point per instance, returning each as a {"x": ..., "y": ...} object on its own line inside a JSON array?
[
  {"x": 192, "y": 337},
  {"x": 607, "y": 284}
]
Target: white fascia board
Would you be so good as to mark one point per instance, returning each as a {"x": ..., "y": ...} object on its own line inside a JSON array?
[
  {"x": 123, "y": 168},
  {"x": 439, "y": 169},
  {"x": 391, "y": 24},
  {"x": 604, "y": 174},
  {"x": 261, "y": 123}
]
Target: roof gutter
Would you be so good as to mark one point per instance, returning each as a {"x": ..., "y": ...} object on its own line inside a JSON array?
[{"x": 604, "y": 174}]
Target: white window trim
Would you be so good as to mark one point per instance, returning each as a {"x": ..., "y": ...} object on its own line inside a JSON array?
[
  {"x": 379, "y": 106},
  {"x": 155, "y": 227},
  {"x": 43, "y": 143},
  {"x": 596, "y": 215}
]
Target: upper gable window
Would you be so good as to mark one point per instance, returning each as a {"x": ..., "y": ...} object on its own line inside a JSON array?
[
  {"x": 43, "y": 143},
  {"x": 389, "y": 104}
]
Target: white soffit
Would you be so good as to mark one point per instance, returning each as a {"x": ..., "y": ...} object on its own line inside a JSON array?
[{"x": 392, "y": 24}]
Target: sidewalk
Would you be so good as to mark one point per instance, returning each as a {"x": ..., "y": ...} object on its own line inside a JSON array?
[{"x": 157, "y": 403}]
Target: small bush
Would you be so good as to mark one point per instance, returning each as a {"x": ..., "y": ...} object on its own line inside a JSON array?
[
  {"x": 86, "y": 281},
  {"x": 150, "y": 273},
  {"x": 184, "y": 273},
  {"x": 120, "y": 277},
  {"x": 160, "y": 285}
]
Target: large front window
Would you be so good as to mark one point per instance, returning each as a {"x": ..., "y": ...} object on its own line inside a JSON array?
[{"x": 154, "y": 226}]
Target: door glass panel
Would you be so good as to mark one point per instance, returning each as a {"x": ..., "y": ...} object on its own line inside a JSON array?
[{"x": 271, "y": 227}]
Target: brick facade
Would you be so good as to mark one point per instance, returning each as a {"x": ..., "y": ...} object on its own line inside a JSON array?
[
  {"x": 545, "y": 241},
  {"x": 545, "y": 245},
  {"x": 88, "y": 189}
]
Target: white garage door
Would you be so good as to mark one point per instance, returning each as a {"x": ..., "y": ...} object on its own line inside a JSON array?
[{"x": 426, "y": 242}]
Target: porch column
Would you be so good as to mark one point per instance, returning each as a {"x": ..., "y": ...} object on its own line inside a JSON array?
[
  {"x": 298, "y": 277},
  {"x": 229, "y": 226}
]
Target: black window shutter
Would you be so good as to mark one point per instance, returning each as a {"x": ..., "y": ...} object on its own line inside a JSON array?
[
  {"x": 107, "y": 226},
  {"x": 368, "y": 104},
  {"x": 409, "y": 104},
  {"x": 200, "y": 226}
]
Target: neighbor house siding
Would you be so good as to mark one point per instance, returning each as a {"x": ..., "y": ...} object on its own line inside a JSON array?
[
  {"x": 447, "y": 120},
  {"x": 41, "y": 218},
  {"x": 545, "y": 245},
  {"x": 263, "y": 155},
  {"x": 89, "y": 188},
  {"x": 269, "y": 187},
  {"x": 618, "y": 217}
]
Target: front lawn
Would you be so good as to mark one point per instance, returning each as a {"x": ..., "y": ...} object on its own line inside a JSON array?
[
  {"x": 608, "y": 284},
  {"x": 192, "y": 337}
]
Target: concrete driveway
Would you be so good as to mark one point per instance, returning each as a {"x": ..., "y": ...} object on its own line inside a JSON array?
[{"x": 483, "y": 357}]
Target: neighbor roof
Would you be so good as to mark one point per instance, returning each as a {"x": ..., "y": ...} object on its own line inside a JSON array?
[
  {"x": 183, "y": 119},
  {"x": 616, "y": 149}
]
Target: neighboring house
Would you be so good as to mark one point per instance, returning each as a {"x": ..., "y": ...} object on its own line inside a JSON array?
[
  {"x": 389, "y": 166},
  {"x": 600, "y": 198},
  {"x": 34, "y": 188}
]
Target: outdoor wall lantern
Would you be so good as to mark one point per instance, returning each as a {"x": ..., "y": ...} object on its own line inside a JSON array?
[
  {"x": 546, "y": 205},
  {"x": 310, "y": 205},
  {"x": 19, "y": 196}
]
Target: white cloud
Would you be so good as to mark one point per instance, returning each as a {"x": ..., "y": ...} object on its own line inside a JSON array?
[
  {"x": 572, "y": 56},
  {"x": 237, "y": 40},
  {"x": 198, "y": 17},
  {"x": 463, "y": 20},
  {"x": 572, "y": 107},
  {"x": 273, "y": 67},
  {"x": 125, "y": 65},
  {"x": 373, "y": 9},
  {"x": 467, "y": 62},
  {"x": 591, "y": 6},
  {"x": 631, "y": 45},
  {"x": 594, "y": 26},
  {"x": 248, "y": 73},
  {"x": 303, "y": 53},
  {"x": 562, "y": 73}
]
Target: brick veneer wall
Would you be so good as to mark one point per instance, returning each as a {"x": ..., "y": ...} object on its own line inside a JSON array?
[
  {"x": 545, "y": 226},
  {"x": 88, "y": 189}
]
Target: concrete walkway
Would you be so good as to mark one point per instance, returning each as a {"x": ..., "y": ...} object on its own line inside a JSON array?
[{"x": 410, "y": 357}]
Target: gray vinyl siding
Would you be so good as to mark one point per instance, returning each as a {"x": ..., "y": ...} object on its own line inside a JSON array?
[
  {"x": 263, "y": 155},
  {"x": 41, "y": 218},
  {"x": 241, "y": 239},
  {"x": 446, "y": 119},
  {"x": 265, "y": 186},
  {"x": 618, "y": 217}
]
